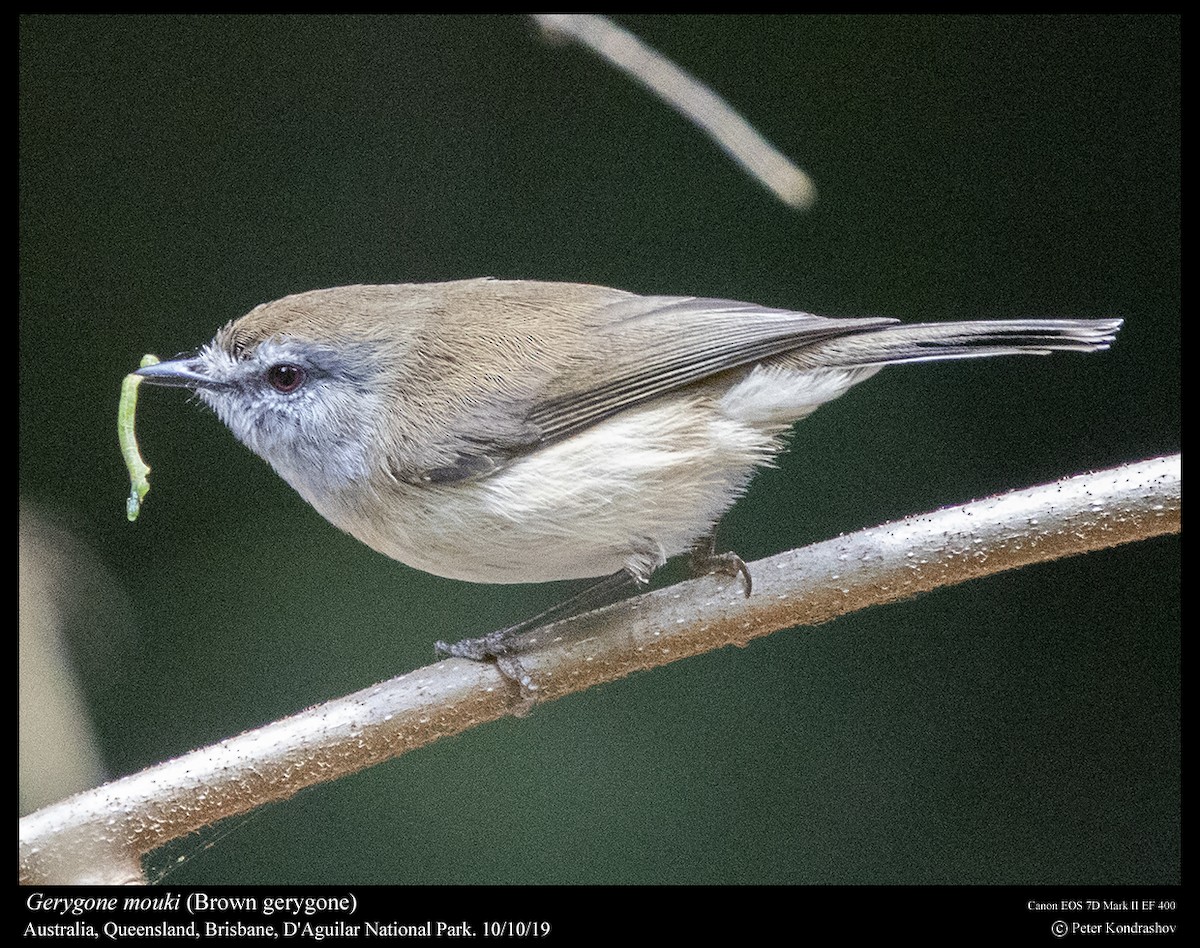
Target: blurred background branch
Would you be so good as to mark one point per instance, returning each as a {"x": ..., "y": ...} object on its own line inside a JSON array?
[{"x": 690, "y": 98}]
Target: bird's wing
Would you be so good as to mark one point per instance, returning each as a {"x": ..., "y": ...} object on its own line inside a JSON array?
[
  {"x": 648, "y": 346},
  {"x": 575, "y": 355}
]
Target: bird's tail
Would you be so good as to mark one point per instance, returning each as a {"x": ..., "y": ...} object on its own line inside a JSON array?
[{"x": 927, "y": 342}]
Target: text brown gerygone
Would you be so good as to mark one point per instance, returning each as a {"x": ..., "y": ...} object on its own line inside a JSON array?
[{"x": 518, "y": 431}]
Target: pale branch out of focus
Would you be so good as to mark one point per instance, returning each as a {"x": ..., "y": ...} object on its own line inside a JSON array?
[{"x": 691, "y": 98}]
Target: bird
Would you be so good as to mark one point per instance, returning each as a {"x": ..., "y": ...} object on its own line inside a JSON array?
[{"x": 522, "y": 431}]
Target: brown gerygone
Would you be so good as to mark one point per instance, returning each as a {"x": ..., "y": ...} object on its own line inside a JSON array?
[{"x": 518, "y": 431}]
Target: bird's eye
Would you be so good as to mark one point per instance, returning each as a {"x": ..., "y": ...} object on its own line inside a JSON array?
[{"x": 285, "y": 377}]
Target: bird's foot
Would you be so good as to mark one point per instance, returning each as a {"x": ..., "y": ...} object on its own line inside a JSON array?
[
  {"x": 499, "y": 648},
  {"x": 706, "y": 561}
]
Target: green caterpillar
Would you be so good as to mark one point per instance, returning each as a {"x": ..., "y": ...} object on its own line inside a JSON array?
[{"x": 138, "y": 469}]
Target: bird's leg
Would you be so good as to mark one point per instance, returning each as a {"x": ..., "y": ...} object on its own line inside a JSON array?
[
  {"x": 500, "y": 646},
  {"x": 707, "y": 561}
]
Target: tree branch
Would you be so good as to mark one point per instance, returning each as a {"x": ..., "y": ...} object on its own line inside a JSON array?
[
  {"x": 100, "y": 835},
  {"x": 690, "y": 98}
]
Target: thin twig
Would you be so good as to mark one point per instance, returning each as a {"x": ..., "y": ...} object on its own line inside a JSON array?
[
  {"x": 691, "y": 98},
  {"x": 99, "y": 834}
]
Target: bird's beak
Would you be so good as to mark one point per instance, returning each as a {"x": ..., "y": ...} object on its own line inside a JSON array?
[{"x": 184, "y": 372}]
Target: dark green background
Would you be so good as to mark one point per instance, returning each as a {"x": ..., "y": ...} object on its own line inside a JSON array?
[{"x": 176, "y": 171}]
